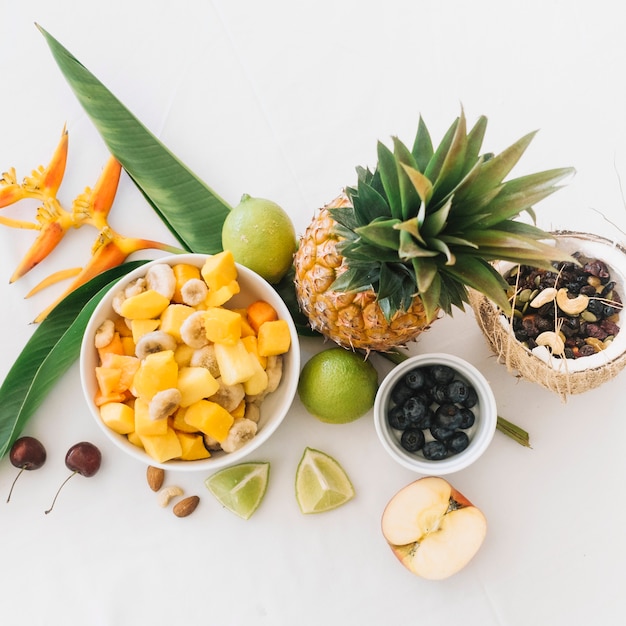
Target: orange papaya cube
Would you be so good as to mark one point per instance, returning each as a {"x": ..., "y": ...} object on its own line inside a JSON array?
[
  {"x": 108, "y": 379},
  {"x": 219, "y": 269},
  {"x": 209, "y": 418},
  {"x": 192, "y": 446},
  {"x": 222, "y": 325},
  {"x": 128, "y": 343},
  {"x": 121, "y": 326},
  {"x": 182, "y": 273},
  {"x": 274, "y": 338},
  {"x": 260, "y": 312},
  {"x": 128, "y": 365},
  {"x": 100, "y": 399},
  {"x": 162, "y": 447},
  {"x": 115, "y": 346},
  {"x": 118, "y": 416}
]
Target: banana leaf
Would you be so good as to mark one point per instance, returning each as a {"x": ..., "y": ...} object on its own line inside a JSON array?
[{"x": 49, "y": 353}]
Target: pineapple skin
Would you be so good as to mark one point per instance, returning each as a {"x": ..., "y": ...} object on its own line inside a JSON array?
[{"x": 353, "y": 320}]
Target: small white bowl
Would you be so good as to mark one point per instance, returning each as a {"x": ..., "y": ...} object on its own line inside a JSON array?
[
  {"x": 273, "y": 409},
  {"x": 480, "y": 434}
]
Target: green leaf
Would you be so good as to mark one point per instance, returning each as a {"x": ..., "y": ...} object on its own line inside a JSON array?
[
  {"x": 388, "y": 171},
  {"x": 422, "y": 149},
  {"x": 52, "y": 348},
  {"x": 193, "y": 212},
  {"x": 381, "y": 233}
]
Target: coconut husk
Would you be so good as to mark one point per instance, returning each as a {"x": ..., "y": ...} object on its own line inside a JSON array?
[{"x": 561, "y": 376}]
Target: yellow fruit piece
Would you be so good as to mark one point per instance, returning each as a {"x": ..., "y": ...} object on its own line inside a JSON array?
[
  {"x": 182, "y": 354},
  {"x": 274, "y": 338},
  {"x": 222, "y": 325},
  {"x": 145, "y": 305},
  {"x": 141, "y": 327},
  {"x": 158, "y": 371},
  {"x": 192, "y": 447},
  {"x": 173, "y": 317},
  {"x": 115, "y": 346},
  {"x": 246, "y": 329},
  {"x": 162, "y": 447},
  {"x": 128, "y": 343},
  {"x": 128, "y": 365},
  {"x": 121, "y": 326},
  {"x": 108, "y": 379},
  {"x": 209, "y": 418},
  {"x": 178, "y": 423},
  {"x": 220, "y": 296},
  {"x": 258, "y": 382},
  {"x": 182, "y": 273},
  {"x": 236, "y": 364},
  {"x": 118, "y": 417},
  {"x": 195, "y": 383},
  {"x": 219, "y": 270},
  {"x": 135, "y": 439},
  {"x": 252, "y": 346},
  {"x": 144, "y": 424},
  {"x": 240, "y": 411}
]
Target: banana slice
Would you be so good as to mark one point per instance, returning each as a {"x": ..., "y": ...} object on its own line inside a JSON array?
[
  {"x": 155, "y": 341},
  {"x": 192, "y": 330},
  {"x": 242, "y": 431},
  {"x": 205, "y": 357},
  {"x": 228, "y": 396},
  {"x": 160, "y": 277},
  {"x": 194, "y": 292},
  {"x": 136, "y": 287},
  {"x": 105, "y": 333},
  {"x": 164, "y": 403}
]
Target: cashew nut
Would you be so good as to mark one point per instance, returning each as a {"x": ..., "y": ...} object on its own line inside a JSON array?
[
  {"x": 551, "y": 340},
  {"x": 545, "y": 296},
  {"x": 167, "y": 493},
  {"x": 571, "y": 306}
]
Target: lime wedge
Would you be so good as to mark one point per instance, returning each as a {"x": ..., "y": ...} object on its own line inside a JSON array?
[
  {"x": 240, "y": 488},
  {"x": 321, "y": 483}
]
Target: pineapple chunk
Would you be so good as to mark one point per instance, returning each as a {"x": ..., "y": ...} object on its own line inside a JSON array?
[
  {"x": 145, "y": 305},
  {"x": 222, "y": 325},
  {"x": 219, "y": 270},
  {"x": 274, "y": 338},
  {"x": 139, "y": 328},
  {"x": 195, "y": 383},
  {"x": 252, "y": 346},
  {"x": 182, "y": 273},
  {"x": 210, "y": 418},
  {"x": 173, "y": 317},
  {"x": 144, "y": 424},
  {"x": 118, "y": 417},
  {"x": 258, "y": 382},
  {"x": 192, "y": 447},
  {"x": 162, "y": 447},
  {"x": 235, "y": 362},
  {"x": 158, "y": 371},
  {"x": 217, "y": 297}
]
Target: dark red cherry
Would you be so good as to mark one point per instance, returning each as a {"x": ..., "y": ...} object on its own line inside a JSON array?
[
  {"x": 27, "y": 453},
  {"x": 82, "y": 458}
]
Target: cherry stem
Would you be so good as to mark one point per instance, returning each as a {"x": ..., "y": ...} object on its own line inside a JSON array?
[
  {"x": 13, "y": 483},
  {"x": 56, "y": 495}
]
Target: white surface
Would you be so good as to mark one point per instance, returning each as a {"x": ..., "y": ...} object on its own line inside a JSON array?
[{"x": 282, "y": 100}]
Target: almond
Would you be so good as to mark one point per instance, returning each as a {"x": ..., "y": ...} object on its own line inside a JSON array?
[
  {"x": 155, "y": 477},
  {"x": 186, "y": 506}
]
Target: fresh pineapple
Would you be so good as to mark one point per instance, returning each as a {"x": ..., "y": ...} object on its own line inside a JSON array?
[{"x": 377, "y": 265}]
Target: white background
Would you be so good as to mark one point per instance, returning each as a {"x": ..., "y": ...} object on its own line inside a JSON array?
[{"x": 282, "y": 100}]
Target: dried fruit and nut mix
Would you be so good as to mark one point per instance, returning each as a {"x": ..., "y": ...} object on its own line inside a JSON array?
[
  {"x": 573, "y": 310},
  {"x": 179, "y": 373}
]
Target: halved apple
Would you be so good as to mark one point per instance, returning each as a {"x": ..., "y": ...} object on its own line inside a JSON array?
[{"x": 432, "y": 528}]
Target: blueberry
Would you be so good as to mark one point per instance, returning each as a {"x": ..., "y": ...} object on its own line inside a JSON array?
[
  {"x": 426, "y": 421},
  {"x": 442, "y": 374},
  {"x": 472, "y": 398},
  {"x": 448, "y": 416},
  {"x": 396, "y": 418},
  {"x": 440, "y": 433},
  {"x": 457, "y": 391},
  {"x": 400, "y": 393},
  {"x": 438, "y": 393},
  {"x": 412, "y": 439},
  {"x": 435, "y": 450},
  {"x": 457, "y": 442},
  {"x": 467, "y": 418},
  {"x": 415, "y": 379},
  {"x": 415, "y": 408}
]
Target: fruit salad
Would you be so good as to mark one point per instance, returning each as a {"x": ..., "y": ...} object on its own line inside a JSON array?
[{"x": 181, "y": 372}]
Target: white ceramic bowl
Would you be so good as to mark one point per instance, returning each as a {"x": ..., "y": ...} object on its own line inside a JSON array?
[
  {"x": 480, "y": 434},
  {"x": 273, "y": 409}
]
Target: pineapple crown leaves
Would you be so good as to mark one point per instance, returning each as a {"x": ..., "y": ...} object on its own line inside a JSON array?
[{"x": 430, "y": 221}]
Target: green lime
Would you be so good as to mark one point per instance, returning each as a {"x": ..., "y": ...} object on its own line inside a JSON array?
[
  {"x": 240, "y": 488},
  {"x": 321, "y": 483},
  {"x": 261, "y": 237},
  {"x": 338, "y": 386}
]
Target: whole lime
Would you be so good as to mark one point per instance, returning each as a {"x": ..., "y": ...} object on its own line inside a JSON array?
[
  {"x": 261, "y": 237},
  {"x": 338, "y": 386}
]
